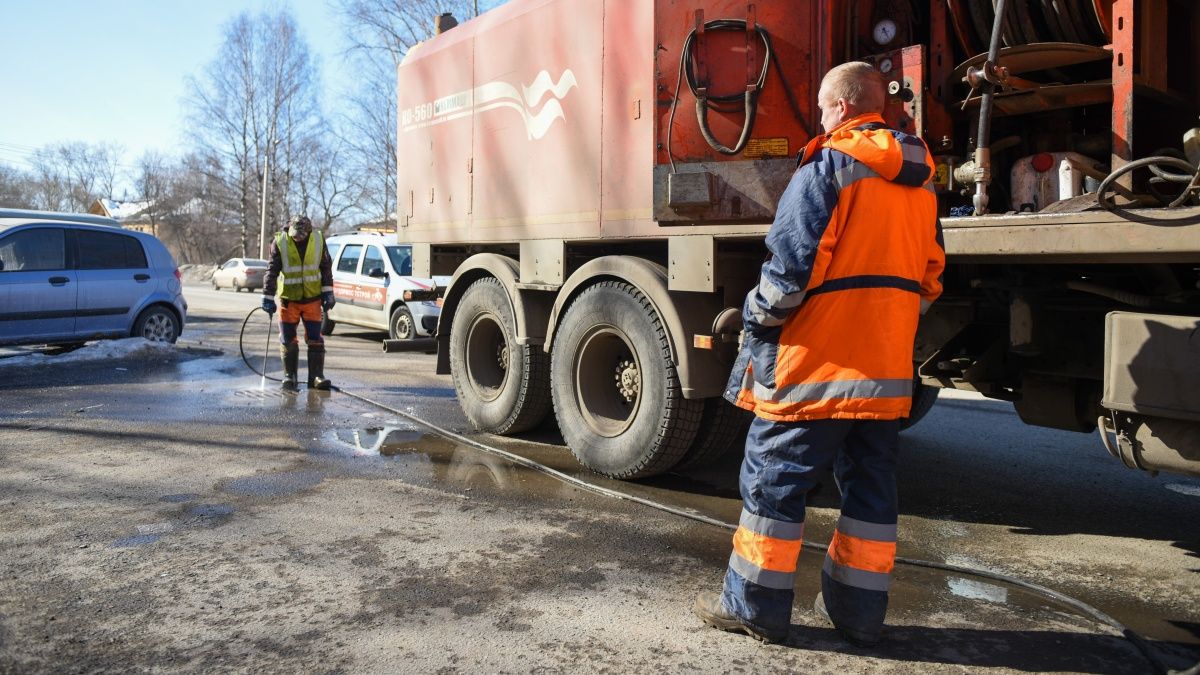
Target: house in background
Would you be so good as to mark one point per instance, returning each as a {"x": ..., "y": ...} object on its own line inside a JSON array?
[{"x": 131, "y": 215}]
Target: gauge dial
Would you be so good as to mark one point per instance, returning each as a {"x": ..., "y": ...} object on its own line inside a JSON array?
[
  {"x": 885, "y": 32},
  {"x": 885, "y": 66}
]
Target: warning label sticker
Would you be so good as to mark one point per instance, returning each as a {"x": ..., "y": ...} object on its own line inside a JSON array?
[{"x": 760, "y": 148}]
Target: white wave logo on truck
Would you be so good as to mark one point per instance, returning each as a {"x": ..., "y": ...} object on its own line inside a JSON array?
[{"x": 494, "y": 95}]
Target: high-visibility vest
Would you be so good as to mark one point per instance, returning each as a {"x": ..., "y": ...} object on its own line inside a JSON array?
[{"x": 301, "y": 277}]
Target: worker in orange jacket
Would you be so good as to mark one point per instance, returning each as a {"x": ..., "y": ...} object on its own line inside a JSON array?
[{"x": 827, "y": 365}]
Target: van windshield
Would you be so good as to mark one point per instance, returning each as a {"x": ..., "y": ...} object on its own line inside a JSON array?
[{"x": 401, "y": 257}]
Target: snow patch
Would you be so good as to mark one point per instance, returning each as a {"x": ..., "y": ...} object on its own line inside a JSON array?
[{"x": 102, "y": 350}]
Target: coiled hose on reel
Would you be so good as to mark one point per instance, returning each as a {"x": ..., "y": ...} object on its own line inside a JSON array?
[{"x": 721, "y": 103}]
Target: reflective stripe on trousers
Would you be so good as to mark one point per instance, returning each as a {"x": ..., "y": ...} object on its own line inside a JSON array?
[{"x": 783, "y": 462}]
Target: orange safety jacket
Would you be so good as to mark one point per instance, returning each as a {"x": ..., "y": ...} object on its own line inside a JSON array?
[{"x": 856, "y": 257}]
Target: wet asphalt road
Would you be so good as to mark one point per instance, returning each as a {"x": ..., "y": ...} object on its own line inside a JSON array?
[{"x": 165, "y": 512}]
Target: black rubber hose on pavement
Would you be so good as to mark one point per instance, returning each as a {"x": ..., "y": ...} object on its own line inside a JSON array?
[
  {"x": 242, "y": 345},
  {"x": 1080, "y": 606}
]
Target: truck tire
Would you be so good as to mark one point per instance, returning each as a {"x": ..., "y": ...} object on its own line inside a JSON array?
[
  {"x": 616, "y": 393},
  {"x": 924, "y": 396},
  {"x": 503, "y": 387},
  {"x": 401, "y": 325},
  {"x": 723, "y": 428}
]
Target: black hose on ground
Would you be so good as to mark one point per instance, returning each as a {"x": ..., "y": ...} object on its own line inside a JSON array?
[
  {"x": 242, "y": 345},
  {"x": 1083, "y": 608}
]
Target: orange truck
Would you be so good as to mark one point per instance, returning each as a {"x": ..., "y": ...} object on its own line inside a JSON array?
[{"x": 598, "y": 177}]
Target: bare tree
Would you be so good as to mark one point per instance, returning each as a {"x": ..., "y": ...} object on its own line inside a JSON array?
[
  {"x": 70, "y": 176},
  {"x": 255, "y": 103},
  {"x": 16, "y": 188}
]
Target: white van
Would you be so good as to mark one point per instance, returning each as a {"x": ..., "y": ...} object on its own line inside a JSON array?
[{"x": 374, "y": 287}]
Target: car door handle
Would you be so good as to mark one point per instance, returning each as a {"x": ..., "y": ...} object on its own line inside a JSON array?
[
  {"x": 141, "y": 277},
  {"x": 59, "y": 281}
]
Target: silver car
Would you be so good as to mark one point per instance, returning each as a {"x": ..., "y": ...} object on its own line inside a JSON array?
[
  {"x": 68, "y": 277},
  {"x": 239, "y": 273}
]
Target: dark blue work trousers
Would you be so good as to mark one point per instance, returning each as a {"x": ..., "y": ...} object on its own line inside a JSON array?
[{"x": 783, "y": 462}]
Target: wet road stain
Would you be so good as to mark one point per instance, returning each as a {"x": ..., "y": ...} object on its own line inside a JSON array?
[
  {"x": 425, "y": 392},
  {"x": 273, "y": 484},
  {"x": 180, "y": 498},
  {"x": 136, "y": 540},
  {"x": 1184, "y": 489},
  {"x": 210, "y": 511}
]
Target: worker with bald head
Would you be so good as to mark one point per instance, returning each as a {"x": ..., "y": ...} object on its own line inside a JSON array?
[{"x": 826, "y": 365}]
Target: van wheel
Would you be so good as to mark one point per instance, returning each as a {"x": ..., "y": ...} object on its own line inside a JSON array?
[
  {"x": 924, "y": 396},
  {"x": 401, "y": 326},
  {"x": 723, "y": 429},
  {"x": 616, "y": 392},
  {"x": 503, "y": 387},
  {"x": 157, "y": 324}
]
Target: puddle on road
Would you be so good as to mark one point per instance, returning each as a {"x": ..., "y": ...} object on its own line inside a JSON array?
[
  {"x": 977, "y": 590},
  {"x": 181, "y": 498},
  {"x": 1184, "y": 489}
]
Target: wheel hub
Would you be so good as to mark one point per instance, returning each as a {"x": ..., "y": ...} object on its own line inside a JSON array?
[
  {"x": 628, "y": 379},
  {"x": 502, "y": 357}
]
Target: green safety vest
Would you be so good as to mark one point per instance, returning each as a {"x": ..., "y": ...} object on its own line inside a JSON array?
[{"x": 301, "y": 277}]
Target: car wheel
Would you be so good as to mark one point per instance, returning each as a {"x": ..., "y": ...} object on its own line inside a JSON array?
[
  {"x": 401, "y": 326},
  {"x": 157, "y": 324},
  {"x": 502, "y": 386},
  {"x": 237, "y": 286},
  {"x": 216, "y": 286},
  {"x": 616, "y": 392}
]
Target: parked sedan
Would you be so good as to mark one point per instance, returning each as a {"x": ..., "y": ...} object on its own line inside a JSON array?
[
  {"x": 239, "y": 273},
  {"x": 70, "y": 278}
]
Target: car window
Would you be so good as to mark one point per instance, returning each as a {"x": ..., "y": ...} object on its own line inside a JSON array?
[
  {"x": 42, "y": 248},
  {"x": 349, "y": 259},
  {"x": 109, "y": 251},
  {"x": 333, "y": 250},
  {"x": 373, "y": 259},
  {"x": 254, "y": 262},
  {"x": 229, "y": 265},
  {"x": 401, "y": 259}
]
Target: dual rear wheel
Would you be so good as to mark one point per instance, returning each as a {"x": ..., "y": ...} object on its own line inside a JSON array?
[{"x": 610, "y": 378}]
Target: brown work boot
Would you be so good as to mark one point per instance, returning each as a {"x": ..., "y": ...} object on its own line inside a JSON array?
[{"x": 712, "y": 611}]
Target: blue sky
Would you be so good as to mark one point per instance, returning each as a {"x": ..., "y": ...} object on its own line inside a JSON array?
[{"x": 115, "y": 70}]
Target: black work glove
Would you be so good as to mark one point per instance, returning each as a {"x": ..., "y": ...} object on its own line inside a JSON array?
[
  {"x": 268, "y": 304},
  {"x": 327, "y": 300}
]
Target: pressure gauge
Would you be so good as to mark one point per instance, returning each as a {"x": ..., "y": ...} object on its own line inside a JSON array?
[
  {"x": 885, "y": 66},
  {"x": 885, "y": 32}
]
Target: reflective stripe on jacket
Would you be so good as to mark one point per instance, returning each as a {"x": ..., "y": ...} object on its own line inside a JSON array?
[
  {"x": 856, "y": 257},
  {"x": 301, "y": 276}
]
